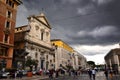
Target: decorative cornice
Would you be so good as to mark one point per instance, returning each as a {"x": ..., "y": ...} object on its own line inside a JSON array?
[{"x": 18, "y": 1}]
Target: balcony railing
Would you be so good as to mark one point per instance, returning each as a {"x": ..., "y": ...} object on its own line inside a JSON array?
[{"x": 7, "y": 31}]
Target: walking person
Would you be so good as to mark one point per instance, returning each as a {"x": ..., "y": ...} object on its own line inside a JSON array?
[
  {"x": 111, "y": 74},
  {"x": 106, "y": 74},
  {"x": 51, "y": 72},
  {"x": 57, "y": 73},
  {"x": 69, "y": 71},
  {"x": 90, "y": 74},
  {"x": 93, "y": 73}
]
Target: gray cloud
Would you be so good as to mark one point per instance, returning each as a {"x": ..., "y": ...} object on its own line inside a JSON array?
[
  {"x": 99, "y": 32},
  {"x": 22, "y": 15},
  {"x": 101, "y": 2},
  {"x": 70, "y": 1},
  {"x": 77, "y": 21}
]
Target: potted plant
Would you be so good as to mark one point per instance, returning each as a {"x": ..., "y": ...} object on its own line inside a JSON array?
[{"x": 30, "y": 63}]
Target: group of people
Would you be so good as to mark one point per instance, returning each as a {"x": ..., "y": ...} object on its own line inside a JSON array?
[
  {"x": 92, "y": 73},
  {"x": 109, "y": 73},
  {"x": 55, "y": 73}
]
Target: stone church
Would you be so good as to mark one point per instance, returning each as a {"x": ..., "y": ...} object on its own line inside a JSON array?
[{"x": 33, "y": 40}]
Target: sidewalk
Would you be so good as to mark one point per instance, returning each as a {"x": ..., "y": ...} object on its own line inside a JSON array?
[{"x": 37, "y": 77}]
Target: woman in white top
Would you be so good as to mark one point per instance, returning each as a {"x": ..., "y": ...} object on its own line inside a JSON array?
[{"x": 93, "y": 73}]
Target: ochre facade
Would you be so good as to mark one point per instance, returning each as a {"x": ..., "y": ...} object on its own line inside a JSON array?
[{"x": 63, "y": 54}]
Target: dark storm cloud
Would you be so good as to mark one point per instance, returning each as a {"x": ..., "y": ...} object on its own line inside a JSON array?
[{"x": 79, "y": 21}]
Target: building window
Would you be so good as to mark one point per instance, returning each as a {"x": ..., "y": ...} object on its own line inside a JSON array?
[
  {"x": 36, "y": 55},
  {"x": 50, "y": 61},
  {"x": 10, "y": 3},
  {"x": 32, "y": 48},
  {"x": 54, "y": 59},
  {"x": 9, "y": 14},
  {"x": 47, "y": 57},
  {"x": 3, "y": 51},
  {"x": 42, "y": 35},
  {"x": 37, "y": 27},
  {"x": 7, "y": 24},
  {"x": 6, "y": 38},
  {"x": 47, "y": 35},
  {"x": 7, "y": 1}
]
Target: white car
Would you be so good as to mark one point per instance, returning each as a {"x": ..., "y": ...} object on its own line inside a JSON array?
[
  {"x": 34, "y": 72},
  {"x": 4, "y": 74}
]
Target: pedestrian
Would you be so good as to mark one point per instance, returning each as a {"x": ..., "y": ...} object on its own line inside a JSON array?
[
  {"x": 51, "y": 71},
  {"x": 20, "y": 74},
  {"x": 111, "y": 74},
  {"x": 90, "y": 74},
  {"x": 41, "y": 71},
  {"x": 69, "y": 71},
  {"x": 106, "y": 74},
  {"x": 93, "y": 73},
  {"x": 15, "y": 74},
  {"x": 78, "y": 72},
  {"x": 57, "y": 73}
]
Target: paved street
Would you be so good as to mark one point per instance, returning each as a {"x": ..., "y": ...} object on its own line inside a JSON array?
[{"x": 99, "y": 76}]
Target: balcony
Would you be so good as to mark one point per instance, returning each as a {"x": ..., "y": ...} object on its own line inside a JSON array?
[{"x": 7, "y": 31}]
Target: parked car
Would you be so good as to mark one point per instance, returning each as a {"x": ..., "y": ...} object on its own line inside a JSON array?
[
  {"x": 34, "y": 72},
  {"x": 4, "y": 74},
  {"x": 24, "y": 72}
]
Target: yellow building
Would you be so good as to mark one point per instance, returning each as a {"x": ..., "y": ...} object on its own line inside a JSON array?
[{"x": 63, "y": 54}]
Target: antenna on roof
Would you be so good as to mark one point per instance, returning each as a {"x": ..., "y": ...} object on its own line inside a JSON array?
[
  {"x": 42, "y": 9},
  {"x": 42, "y": 12}
]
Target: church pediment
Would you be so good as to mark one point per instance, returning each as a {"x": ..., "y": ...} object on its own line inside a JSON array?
[{"x": 43, "y": 20}]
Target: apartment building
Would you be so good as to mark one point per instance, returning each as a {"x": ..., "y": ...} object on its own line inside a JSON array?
[
  {"x": 63, "y": 54},
  {"x": 8, "y": 11}
]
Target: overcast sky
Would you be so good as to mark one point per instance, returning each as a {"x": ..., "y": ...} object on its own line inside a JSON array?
[{"x": 92, "y": 27}]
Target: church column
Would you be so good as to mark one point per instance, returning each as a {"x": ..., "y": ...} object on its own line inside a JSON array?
[
  {"x": 110, "y": 63},
  {"x": 117, "y": 62}
]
